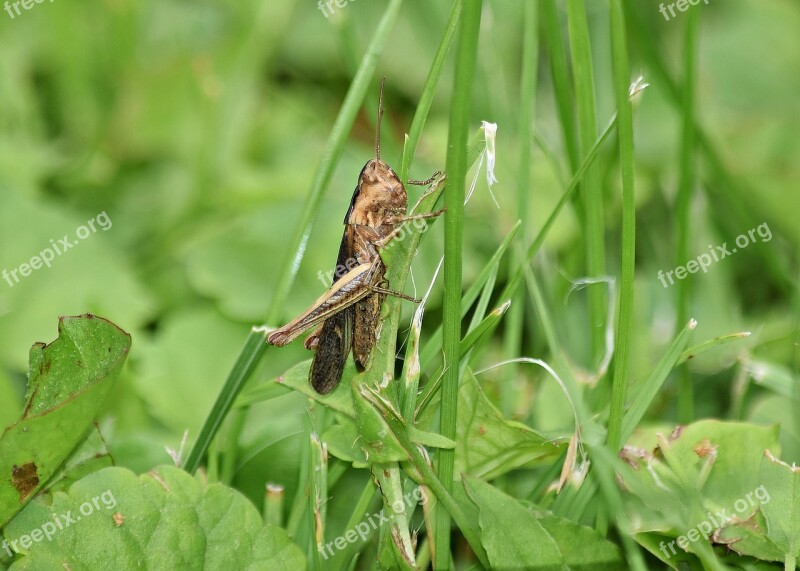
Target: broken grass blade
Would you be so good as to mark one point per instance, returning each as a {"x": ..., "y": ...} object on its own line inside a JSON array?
[
  {"x": 411, "y": 365},
  {"x": 693, "y": 352}
]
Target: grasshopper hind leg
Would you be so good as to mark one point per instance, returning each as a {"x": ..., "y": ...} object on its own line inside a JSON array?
[{"x": 365, "y": 328}]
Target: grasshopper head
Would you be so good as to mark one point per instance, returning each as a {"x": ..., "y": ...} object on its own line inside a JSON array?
[{"x": 380, "y": 195}]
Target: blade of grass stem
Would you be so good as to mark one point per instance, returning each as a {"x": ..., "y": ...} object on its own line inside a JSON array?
[
  {"x": 475, "y": 289},
  {"x": 457, "y": 165},
  {"x": 683, "y": 204},
  {"x": 591, "y": 189},
  {"x": 622, "y": 77},
  {"x": 471, "y": 339},
  {"x": 559, "y": 70},
  {"x": 514, "y": 282},
  {"x": 649, "y": 389},
  {"x": 429, "y": 90},
  {"x": 343, "y": 558},
  {"x": 254, "y": 348},
  {"x": 512, "y": 343},
  {"x": 693, "y": 352},
  {"x": 483, "y": 302},
  {"x": 317, "y": 497},
  {"x": 424, "y": 475}
]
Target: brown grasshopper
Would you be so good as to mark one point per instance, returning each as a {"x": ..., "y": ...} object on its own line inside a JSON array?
[{"x": 350, "y": 310}]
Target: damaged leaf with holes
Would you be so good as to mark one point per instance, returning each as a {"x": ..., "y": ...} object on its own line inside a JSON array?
[{"x": 68, "y": 382}]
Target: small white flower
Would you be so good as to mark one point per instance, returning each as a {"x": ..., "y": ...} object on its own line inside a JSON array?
[
  {"x": 637, "y": 87},
  {"x": 490, "y": 132}
]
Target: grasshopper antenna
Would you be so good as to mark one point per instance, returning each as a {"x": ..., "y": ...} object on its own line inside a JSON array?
[{"x": 380, "y": 116}]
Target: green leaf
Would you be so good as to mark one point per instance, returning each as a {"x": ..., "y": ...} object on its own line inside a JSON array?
[
  {"x": 342, "y": 440},
  {"x": 487, "y": 445},
  {"x": 69, "y": 381},
  {"x": 431, "y": 439},
  {"x": 9, "y": 400},
  {"x": 511, "y": 535},
  {"x": 165, "y": 519},
  {"x": 515, "y": 538},
  {"x": 339, "y": 399},
  {"x": 782, "y": 508},
  {"x": 701, "y": 470},
  {"x": 582, "y": 546},
  {"x": 749, "y": 538},
  {"x": 91, "y": 455},
  {"x": 375, "y": 436}
]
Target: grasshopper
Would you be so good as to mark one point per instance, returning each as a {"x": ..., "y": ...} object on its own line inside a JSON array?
[{"x": 349, "y": 312}]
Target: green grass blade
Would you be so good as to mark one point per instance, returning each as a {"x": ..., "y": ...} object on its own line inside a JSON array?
[
  {"x": 512, "y": 343},
  {"x": 254, "y": 348},
  {"x": 429, "y": 90},
  {"x": 514, "y": 282},
  {"x": 693, "y": 352},
  {"x": 591, "y": 190},
  {"x": 619, "y": 51},
  {"x": 457, "y": 164},
  {"x": 471, "y": 340},
  {"x": 650, "y": 388},
  {"x": 561, "y": 84},
  {"x": 684, "y": 201}
]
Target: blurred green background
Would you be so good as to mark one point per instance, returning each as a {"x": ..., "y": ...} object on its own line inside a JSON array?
[{"x": 197, "y": 126}]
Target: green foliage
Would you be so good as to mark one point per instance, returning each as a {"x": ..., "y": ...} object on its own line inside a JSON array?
[
  {"x": 162, "y": 518},
  {"x": 221, "y": 142},
  {"x": 69, "y": 380},
  {"x": 515, "y": 537}
]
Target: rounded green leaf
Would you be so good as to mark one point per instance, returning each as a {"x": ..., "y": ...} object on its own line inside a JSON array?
[{"x": 165, "y": 519}]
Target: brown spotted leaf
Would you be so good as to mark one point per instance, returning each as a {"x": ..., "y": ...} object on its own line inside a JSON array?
[{"x": 68, "y": 381}]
